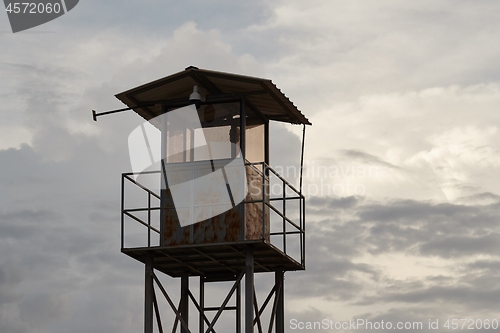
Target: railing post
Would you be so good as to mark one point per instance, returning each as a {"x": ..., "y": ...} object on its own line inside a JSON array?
[
  {"x": 264, "y": 203},
  {"x": 301, "y": 234},
  {"x": 148, "y": 296},
  {"x": 201, "y": 321},
  {"x": 184, "y": 308},
  {"x": 149, "y": 219},
  {"x": 123, "y": 213},
  {"x": 303, "y": 231},
  {"x": 280, "y": 304},
  {"x": 249, "y": 289},
  {"x": 238, "y": 308},
  {"x": 284, "y": 215}
]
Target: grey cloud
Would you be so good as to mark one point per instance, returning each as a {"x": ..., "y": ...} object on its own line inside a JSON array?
[
  {"x": 396, "y": 50},
  {"x": 480, "y": 198},
  {"x": 58, "y": 229},
  {"x": 433, "y": 227},
  {"x": 320, "y": 203},
  {"x": 367, "y": 158},
  {"x": 330, "y": 274},
  {"x": 462, "y": 296},
  {"x": 485, "y": 265},
  {"x": 459, "y": 245},
  {"x": 402, "y": 224},
  {"x": 424, "y": 229}
]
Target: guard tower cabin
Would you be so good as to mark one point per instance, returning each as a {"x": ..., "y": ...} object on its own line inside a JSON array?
[{"x": 218, "y": 211}]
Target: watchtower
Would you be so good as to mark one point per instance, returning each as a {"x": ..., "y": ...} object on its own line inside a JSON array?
[{"x": 203, "y": 204}]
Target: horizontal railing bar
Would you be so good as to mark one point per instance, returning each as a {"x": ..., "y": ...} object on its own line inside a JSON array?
[
  {"x": 142, "y": 209},
  {"x": 126, "y": 175},
  {"x": 284, "y": 180},
  {"x": 280, "y": 233},
  {"x": 140, "y": 173},
  {"x": 276, "y": 174},
  {"x": 277, "y": 212},
  {"x": 286, "y": 198},
  {"x": 272, "y": 199},
  {"x": 217, "y": 308},
  {"x": 284, "y": 217},
  {"x": 141, "y": 222},
  {"x": 143, "y": 187}
]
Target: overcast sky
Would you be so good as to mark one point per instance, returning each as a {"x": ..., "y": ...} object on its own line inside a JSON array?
[{"x": 404, "y": 97}]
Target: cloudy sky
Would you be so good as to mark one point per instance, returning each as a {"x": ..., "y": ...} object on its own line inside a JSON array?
[{"x": 404, "y": 98}]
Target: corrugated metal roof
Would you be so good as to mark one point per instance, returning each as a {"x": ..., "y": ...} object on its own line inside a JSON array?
[{"x": 259, "y": 93}]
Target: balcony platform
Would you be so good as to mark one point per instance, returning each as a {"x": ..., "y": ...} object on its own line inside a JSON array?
[{"x": 216, "y": 262}]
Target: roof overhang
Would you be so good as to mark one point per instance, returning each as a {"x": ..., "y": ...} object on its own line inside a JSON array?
[{"x": 260, "y": 94}]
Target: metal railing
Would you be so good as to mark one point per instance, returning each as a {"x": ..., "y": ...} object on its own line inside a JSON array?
[
  {"x": 270, "y": 202},
  {"x": 277, "y": 225},
  {"x": 132, "y": 212}
]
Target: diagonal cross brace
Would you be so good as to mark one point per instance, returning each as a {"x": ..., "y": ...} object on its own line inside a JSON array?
[
  {"x": 228, "y": 297},
  {"x": 177, "y": 314}
]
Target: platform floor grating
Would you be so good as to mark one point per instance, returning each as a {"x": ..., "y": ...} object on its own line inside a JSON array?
[{"x": 214, "y": 261}]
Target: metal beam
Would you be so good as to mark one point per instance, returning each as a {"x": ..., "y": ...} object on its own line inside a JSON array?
[
  {"x": 172, "y": 306},
  {"x": 280, "y": 304},
  {"x": 203, "y": 318},
  {"x": 184, "y": 308},
  {"x": 257, "y": 315},
  {"x": 228, "y": 297},
  {"x": 157, "y": 313},
  {"x": 148, "y": 296},
  {"x": 238, "y": 308},
  {"x": 202, "y": 305},
  {"x": 249, "y": 289},
  {"x": 268, "y": 298}
]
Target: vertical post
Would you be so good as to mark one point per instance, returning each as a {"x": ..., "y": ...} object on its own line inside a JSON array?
[
  {"x": 266, "y": 147},
  {"x": 184, "y": 301},
  {"x": 202, "y": 304},
  {"x": 184, "y": 147},
  {"x": 303, "y": 232},
  {"x": 163, "y": 182},
  {"x": 249, "y": 279},
  {"x": 148, "y": 296},
  {"x": 284, "y": 214},
  {"x": 280, "y": 305},
  {"x": 122, "y": 213},
  {"x": 302, "y": 156},
  {"x": 243, "y": 126},
  {"x": 264, "y": 201},
  {"x": 301, "y": 225},
  {"x": 149, "y": 219},
  {"x": 302, "y": 202},
  {"x": 191, "y": 148},
  {"x": 238, "y": 308}
]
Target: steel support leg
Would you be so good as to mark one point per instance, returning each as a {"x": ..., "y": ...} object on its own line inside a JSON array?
[
  {"x": 280, "y": 305},
  {"x": 184, "y": 310},
  {"x": 202, "y": 305},
  {"x": 148, "y": 296},
  {"x": 249, "y": 282},
  {"x": 238, "y": 308}
]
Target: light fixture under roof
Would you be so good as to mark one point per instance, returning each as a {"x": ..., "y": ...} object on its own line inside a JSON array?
[{"x": 195, "y": 95}]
